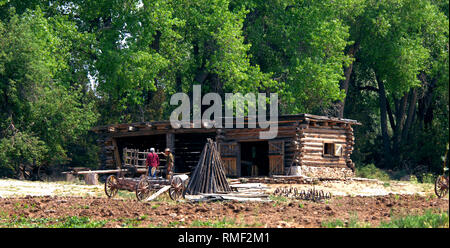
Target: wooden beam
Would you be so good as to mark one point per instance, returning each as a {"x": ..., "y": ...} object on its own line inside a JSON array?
[
  {"x": 116, "y": 154},
  {"x": 170, "y": 141}
]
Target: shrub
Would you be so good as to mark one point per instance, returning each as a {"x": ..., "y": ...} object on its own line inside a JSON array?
[
  {"x": 372, "y": 172},
  {"x": 427, "y": 178}
]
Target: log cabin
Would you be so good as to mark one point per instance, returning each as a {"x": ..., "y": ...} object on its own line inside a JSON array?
[{"x": 308, "y": 145}]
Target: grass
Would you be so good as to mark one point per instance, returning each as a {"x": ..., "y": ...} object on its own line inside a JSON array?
[
  {"x": 126, "y": 194},
  {"x": 131, "y": 222},
  {"x": 353, "y": 222},
  {"x": 278, "y": 199},
  {"x": 428, "y": 178},
  {"x": 66, "y": 222},
  {"x": 425, "y": 220}
]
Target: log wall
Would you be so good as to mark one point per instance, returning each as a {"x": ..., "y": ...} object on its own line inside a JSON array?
[
  {"x": 303, "y": 138},
  {"x": 312, "y": 159},
  {"x": 313, "y": 140}
]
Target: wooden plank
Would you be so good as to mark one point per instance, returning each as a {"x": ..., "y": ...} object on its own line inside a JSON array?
[
  {"x": 162, "y": 190},
  {"x": 116, "y": 154},
  {"x": 248, "y": 185}
]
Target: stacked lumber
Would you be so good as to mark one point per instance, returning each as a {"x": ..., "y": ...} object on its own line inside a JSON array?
[
  {"x": 209, "y": 174},
  {"x": 242, "y": 192},
  {"x": 283, "y": 180}
]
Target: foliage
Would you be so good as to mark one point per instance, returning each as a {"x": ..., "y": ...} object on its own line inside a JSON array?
[
  {"x": 371, "y": 171},
  {"x": 44, "y": 109},
  {"x": 66, "y": 66},
  {"x": 402, "y": 57},
  {"x": 17, "y": 149},
  {"x": 300, "y": 43},
  {"x": 427, "y": 178}
]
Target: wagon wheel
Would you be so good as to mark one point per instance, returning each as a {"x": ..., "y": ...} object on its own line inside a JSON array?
[
  {"x": 143, "y": 189},
  {"x": 176, "y": 190},
  {"x": 43, "y": 173},
  {"x": 111, "y": 186},
  {"x": 441, "y": 186}
]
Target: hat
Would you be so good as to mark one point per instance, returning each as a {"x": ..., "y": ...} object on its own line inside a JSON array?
[
  {"x": 167, "y": 150},
  {"x": 152, "y": 149}
]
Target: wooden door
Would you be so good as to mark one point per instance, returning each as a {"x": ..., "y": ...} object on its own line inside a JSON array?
[
  {"x": 276, "y": 158},
  {"x": 230, "y": 153}
]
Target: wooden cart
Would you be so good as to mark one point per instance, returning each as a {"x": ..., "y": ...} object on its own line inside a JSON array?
[
  {"x": 441, "y": 184},
  {"x": 147, "y": 188}
]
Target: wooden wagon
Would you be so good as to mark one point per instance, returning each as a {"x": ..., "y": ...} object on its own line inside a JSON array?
[{"x": 144, "y": 186}]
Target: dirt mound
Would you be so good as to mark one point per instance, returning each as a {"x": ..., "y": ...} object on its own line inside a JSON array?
[{"x": 125, "y": 212}]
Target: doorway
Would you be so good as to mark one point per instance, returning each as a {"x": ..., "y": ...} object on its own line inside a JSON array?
[{"x": 254, "y": 158}]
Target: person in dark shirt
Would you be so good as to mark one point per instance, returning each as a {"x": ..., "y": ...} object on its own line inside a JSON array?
[{"x": 170, "y": 163}]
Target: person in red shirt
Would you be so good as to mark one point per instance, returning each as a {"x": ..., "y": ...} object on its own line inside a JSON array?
[{"x": 153, "y": 162}]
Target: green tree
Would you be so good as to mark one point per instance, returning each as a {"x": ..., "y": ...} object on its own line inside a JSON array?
[
  {"x": 403, "y": 57},
  {"x": 302, "y": 45},
  {"x": 43, "y": 106}
]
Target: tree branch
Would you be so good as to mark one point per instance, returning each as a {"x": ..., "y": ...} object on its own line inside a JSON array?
[{"x": 369, "y": 88}]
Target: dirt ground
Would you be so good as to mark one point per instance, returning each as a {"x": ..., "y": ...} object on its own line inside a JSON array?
[
  {"x": 130, "y": 213},
  {"x": 368, "y": 202}
]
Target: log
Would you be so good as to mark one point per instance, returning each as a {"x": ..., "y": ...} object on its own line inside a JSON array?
[
  {"x": 325, "y": 136},
  {"x": 70, "y": 178},
  {"x": 93, "y": 172},
  {"x": 315, "y": 130},
  {"x": 318, "y": 140}
]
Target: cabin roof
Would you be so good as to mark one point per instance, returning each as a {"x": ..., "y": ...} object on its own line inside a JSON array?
[{"x": 165, "y": 125}]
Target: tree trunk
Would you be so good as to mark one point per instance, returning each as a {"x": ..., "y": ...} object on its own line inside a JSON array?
[
  {"x": 344, "y": 83},
  {"x": 424, "y": 110},
  {"x": 390, "y": 114},
  {"x": 411, "y": 112},
  {"x": 383, "y": 122},
  {"x": 399, "y": 123},
  {"x": 178, "y": 82}
]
